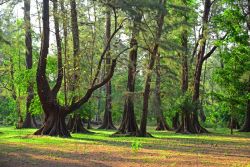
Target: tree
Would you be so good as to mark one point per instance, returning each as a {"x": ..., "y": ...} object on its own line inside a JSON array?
[
  {"x": 55, "y": 113},
  {"x": 184, "y": 126},
  {"x": 246, "y": 126},
  {"x": 153, "y": 55},
  {"x": 75, "y": 124},
  {"x": 193, "y": 125},
  {"x": 29, "y": 121},
  {"x": 161, "y": 122},
  {"x": 107, "y": 119},
  {"x": 128, "y": 124}
]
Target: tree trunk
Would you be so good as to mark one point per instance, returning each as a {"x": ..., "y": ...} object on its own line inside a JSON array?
[
  {"x": 246, "y": 126},
  {"x": 70, "y": 123},
  {"x": 233, "y": 123},
  {"x": 20, "y": 118},
  {"x": 128, "y": 125},
  {"x": 54, "y": 123},
  {"x": 185, "y": 126},
  {"x": 89, "y": 123},
  {"x": 161, "y": 121},
  {"x": 200, "y": 59},
  {"x": 28, "y": 122},
  {"x": 146, "y": 94},
  {"x": 66, "y": 64},
  {"x": 190, "y": 118},
  {"x": 75, "y": 125},
  {"x": 107, "y": 120},
  {"x": 76, "y": 45},
  {"x": 175, "y": 121}
]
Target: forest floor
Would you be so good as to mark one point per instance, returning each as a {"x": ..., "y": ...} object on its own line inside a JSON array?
[{"x": 219, "y": 148}]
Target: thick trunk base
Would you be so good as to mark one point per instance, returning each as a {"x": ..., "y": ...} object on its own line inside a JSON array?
[
  {"x": 54, "y": 125},
  {"x": 107, "y": 123},
  {"x": 75, "y": 125},
  {"x": 162, "y": 125},
  {"x": 145, "y": 135},
  {"x": 128, "y": 125},
  {"x": 127, "y": 128},
  {"x": 29, "y": 121},
  {"x": 108, "y": 126},
  {"x": 190, "y": 125}
]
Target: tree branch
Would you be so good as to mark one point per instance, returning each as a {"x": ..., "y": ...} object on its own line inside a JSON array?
[
  {"x": 105, "y": 51},
  {"x": 59, "y": 50},
  {"x": 89, "y": 92},
  {"x": 212, "y": 50}
]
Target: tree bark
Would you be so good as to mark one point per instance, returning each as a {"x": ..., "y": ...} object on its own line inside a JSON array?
[
  {"x": 76, "y": 125},
  {"x": 54, "y": 123},
  {"x": 76, "y": 46},
  {"x": 200, "y": 59},
  {"x": 65, "y": 34},
  {"x": 107, "y": 120},
  {"x": 175, "y": 121},
  {"x": 185, "y": 126},
  {"x": 161, "y": 121},
  {"x": 246, "y": 125},
  {"x": 190, "y": 121},
  {"x": 146, "y": 94},
  {"x": 128, "y": 124},
  {"x": 28, "y": 122}
]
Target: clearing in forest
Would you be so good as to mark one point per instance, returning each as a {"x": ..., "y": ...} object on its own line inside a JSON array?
[{"x": 20, "y": 148}]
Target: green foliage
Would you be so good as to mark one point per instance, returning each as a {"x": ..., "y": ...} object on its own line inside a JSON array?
[
  {"x": 185, "y": 102},
  {"x": 233, "y": 76},
  {"x": 229, "y": 68},
  {"x": 7, "y": 116}
]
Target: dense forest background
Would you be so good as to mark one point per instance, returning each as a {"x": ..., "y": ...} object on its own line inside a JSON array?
[{"x": 180, "y": 65}]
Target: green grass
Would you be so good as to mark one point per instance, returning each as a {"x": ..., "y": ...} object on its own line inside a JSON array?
[{"x": 217, "y": 148}]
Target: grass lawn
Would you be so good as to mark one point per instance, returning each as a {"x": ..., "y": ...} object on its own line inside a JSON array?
[{"x": 20, "y": 148}]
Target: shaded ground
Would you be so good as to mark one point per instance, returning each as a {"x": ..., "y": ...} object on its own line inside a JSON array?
[{"x": 19, "y": 148}]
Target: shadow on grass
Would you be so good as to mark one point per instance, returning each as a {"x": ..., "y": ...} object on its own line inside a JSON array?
[
  {"x": 27, "y": 156},
  {"x": 184, "y": 145}
]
